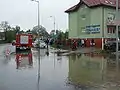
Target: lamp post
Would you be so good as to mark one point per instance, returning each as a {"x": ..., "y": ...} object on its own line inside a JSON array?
[
  {"x": 38, "y": 12},
  {"x": 117, "y": 30},
  {"x": 53, "y": 22},
  {"x": 38, "y": 38}
]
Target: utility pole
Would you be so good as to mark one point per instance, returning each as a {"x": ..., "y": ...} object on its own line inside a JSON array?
[
  {"x": 117, "y": 30},
  {"x": 54, "y": 22},
  {"x": 38, "y": 38}
]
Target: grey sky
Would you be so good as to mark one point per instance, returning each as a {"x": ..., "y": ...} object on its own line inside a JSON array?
[{"x": 24, "y": 13}]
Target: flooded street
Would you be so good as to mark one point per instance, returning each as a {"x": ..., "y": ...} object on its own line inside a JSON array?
[
  {"x": 94, "y": 72},
  {"x": 76, "y": 72}
]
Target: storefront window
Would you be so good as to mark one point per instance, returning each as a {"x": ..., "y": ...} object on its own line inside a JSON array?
[
  {"x": 114, "y": 30},
  {"x": 111, "y": 29}
]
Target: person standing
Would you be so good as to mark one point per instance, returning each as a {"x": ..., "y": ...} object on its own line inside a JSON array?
[
  {"x": 79, "y": 43},
  {"x": 47, "y": 42},
  {"x": 82, "y": 43},
  {"x": 92, "y": 43}
]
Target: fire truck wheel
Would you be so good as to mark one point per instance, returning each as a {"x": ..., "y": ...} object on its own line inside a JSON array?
[{"x": 17, "y": 49}]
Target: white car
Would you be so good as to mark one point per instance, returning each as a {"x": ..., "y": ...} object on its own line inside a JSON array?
[{"x": 42, "y": 44}]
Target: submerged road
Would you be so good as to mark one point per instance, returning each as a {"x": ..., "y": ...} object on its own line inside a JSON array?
[{"x": 76, "y": 72}]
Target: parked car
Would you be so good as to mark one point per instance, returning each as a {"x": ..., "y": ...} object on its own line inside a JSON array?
[
  {"x": 111, "y": 46},
  {"x": 41, "y": 45}
]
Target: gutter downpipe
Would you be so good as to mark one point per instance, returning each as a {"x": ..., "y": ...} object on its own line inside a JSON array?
[
  {"x": 102, "y": 28},
  {"x": 117, "y": 47}
]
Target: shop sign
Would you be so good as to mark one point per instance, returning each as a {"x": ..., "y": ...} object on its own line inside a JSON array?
[{"x": 93, "y": 29}]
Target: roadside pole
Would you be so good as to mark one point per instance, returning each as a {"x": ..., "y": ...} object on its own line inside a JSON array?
[{"x": 117, "y": 30}]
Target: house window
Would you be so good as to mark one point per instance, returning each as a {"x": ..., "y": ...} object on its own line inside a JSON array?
[
  {"x": 83, "y": 17},
  {"x": 111, "y": 30},
  {"x": 83, "y": 29},
  {"x": 85, "y": 6}
]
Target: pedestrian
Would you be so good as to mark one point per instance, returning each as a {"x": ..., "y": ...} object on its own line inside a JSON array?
[
  {"x": 7, "y": 52},
  {"x": 92, "y": 43},
  {"x": 74, "y": 45},
  {"x": 106, "y": 41},
  {"x": 79, "y": 43},
  {"x": 82, "y": 43},
  {"x": 47, "y": 42}
]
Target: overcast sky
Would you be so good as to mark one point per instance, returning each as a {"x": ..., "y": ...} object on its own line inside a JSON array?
[{"x": 24, "y": 13}]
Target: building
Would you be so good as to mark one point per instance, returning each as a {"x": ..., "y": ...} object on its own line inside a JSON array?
[{"x": 93, "y": 19}]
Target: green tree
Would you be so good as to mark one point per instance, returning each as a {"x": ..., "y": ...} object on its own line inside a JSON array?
[
  {"x": 17, "y": 29},
  {"x": 28, "y": 30},
  {"x": 66, "y": 35},
  {"x": 5, "y": 26},
  {"x": 61, "y": 35},
  {"x": 10, "y": 36}
]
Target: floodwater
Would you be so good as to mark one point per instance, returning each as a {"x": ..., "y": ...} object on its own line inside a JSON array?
[
  {"x": 23, "y": 71},
  {"x": 94, "y": 72}
]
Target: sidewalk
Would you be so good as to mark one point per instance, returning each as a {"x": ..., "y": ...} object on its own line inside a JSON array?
[
  {"x": 78, "y": 51},
  {"x": 87, "y": 50}
]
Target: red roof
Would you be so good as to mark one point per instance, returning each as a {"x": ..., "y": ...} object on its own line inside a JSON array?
[{"x": 93, "y": 3}]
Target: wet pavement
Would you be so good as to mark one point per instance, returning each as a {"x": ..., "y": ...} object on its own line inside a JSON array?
[{"x": 22, "y": 71}]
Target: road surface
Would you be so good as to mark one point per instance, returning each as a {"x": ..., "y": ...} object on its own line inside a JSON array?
[{"x": 75, "y": 72}]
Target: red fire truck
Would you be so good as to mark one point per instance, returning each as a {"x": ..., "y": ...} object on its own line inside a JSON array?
[{"x": 23, "y": 41}]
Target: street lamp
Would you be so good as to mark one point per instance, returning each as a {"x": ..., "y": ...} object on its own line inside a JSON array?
[
  {"x": 54, "y": 21},
  {"x": 117, "y": 29},
  {"x": 38, "y": 13},
  {"x": 38, "y": 38}
]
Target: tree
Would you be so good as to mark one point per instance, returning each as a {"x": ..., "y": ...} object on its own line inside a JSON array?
[
  {"x": 28, "y": 30},
  {"x": 66, "y": 34},
  {"x": 10, "y": 36},
  {"x": 5, "y": 26},
  {"x": 41, "y": 30},
  {"x": 17, "y": 29},
  {"x": 9, "y": 28},
  {"x": 61, "y": 35}
]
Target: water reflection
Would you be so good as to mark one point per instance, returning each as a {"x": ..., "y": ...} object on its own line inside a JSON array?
[
  {"x": 24, "y": 59},
  {"x": 38, "y": 83},
  {"x": 47, "y": 52},
  {"x": 93, "y": 70},
  {"x": 6, "y": 59}
]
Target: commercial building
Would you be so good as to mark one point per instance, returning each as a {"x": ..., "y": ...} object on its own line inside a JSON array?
[{"x": 93, "y": 19}]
